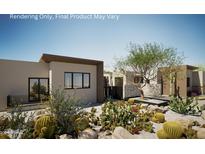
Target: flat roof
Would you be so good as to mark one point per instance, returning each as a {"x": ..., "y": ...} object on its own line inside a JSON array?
[
  {"x": 57, "y": 58},
  {"x": 190, "y": 67}
]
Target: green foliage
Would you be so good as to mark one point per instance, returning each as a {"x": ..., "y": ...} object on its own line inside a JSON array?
[
  {"x": 29, "y": 129},
  {"x": 17, "y": 119},
  {"x": 173, "y": 129},
  {"x": 4, "y": 136},
  {"x": 120, "y": 114},
  {"x": 146, "y": 60},
  {"x": 158, "y": 117},
  {"x": 187, "y": 106},
  {"x": 4, "y": 123},
  {"x": 44, "y": 127},
  {"x": 64, "y": 110}
]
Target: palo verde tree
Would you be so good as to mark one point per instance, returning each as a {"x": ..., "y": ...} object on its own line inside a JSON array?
[{"x": 147, "y": 59}]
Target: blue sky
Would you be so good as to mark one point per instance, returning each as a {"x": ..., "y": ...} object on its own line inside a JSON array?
[{"x": 101, "y": 39}]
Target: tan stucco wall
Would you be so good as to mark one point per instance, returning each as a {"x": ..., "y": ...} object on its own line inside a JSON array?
[
  {"x": 181, "y": 82},
  {"x": 57, "y": 70},
  {"x": 14, "y": 77}
]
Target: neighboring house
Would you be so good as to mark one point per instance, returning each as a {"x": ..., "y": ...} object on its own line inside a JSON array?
[
  {"x": 188, "y": 82},
  {"x": 124, "y": 85},
  {"x": 31, "y": 82}
]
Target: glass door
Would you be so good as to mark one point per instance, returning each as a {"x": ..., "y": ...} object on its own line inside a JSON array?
[{"x": 38, "y": 89}]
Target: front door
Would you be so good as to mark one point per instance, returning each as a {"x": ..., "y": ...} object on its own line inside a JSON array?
[
  {"x": 118, "y": 87},
  {"x": 38, "y": 89}
]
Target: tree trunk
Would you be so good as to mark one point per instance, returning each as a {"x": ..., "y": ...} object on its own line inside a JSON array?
[{"x": 141, "y": 94}]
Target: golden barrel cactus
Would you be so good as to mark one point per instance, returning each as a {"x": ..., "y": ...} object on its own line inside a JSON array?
[
  {"x": 161, "y": 134},
  {"x": 44, "y": 127},
  {"x": 173, "y": 129},
  {"x": 158, "y": 117},
  {"x": 81, "y": 124}
]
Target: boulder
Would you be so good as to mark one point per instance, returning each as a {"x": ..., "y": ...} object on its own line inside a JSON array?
[
  {"x": 65, "y": 136},
  {"x": 201, "y": 133},
  {"x": 184, "y": 123},
  {"x": 122, "y": 133},
  {"x": 203, "y": 114},
  {"x": 105, "y": 135},
  {"x": 88, "y": 133}
]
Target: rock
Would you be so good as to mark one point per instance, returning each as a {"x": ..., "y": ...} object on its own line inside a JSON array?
[
  {"x": 88, "y": 133},
  {"x": 97, "y": 128},
  {"x": 122, "y": 133},
  {"x": 152, "y": 107},
  {"x": 40, "y": 112},
  {"x": 203, "y": 114},
  {"x": 105, "y": 135},
  {"x": 157, "y": 108},
  {"x": 145, "y": 135},
  {"x": 65, "y": 136},
  {"x": 201, "y": 133}
]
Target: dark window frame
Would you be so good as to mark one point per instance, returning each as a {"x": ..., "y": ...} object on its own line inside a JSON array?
[
  {"x": 188, "y": 82},
  {"x": 72, "y": 79},
  {"x": 38, "y": 78}
]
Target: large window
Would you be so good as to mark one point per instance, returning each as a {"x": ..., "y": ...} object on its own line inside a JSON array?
[
  {"x": 76, "y": 80},
  {"x": 38, "y": 89}
]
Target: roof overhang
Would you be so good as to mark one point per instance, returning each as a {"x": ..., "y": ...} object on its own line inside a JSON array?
[{"x": 57, "y": 58}]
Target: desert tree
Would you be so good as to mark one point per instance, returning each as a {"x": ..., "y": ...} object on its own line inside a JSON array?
[{"x": 147, "y": 60}]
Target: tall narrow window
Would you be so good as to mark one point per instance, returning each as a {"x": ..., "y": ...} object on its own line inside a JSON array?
[
  {"x": 77, "y": 80},
  {"x": 68, "y": 80},
  {"x": 86, "y": 80},
  {"x": 38, "y": 89}
]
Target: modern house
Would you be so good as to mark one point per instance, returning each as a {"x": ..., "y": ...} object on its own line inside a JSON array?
[
  {"x": 123, "y": 85},
  {"x": 188, "y": 81},
  {"x": 30, "y": 82}
]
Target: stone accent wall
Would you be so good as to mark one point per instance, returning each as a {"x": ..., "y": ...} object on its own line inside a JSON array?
[
  {"x": 131, "y": 91},
  {"x": 152, "y": 90}
]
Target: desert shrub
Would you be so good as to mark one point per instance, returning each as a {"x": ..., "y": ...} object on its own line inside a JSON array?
[
  {"x": 4, "y": 123},
  {"x": 17, "y": 117},
  {"x": 186, "y": 106},
  {"x": 120, "y": 114},
  {"x": 4, "y": 136},
  {"x": 29, "y": 129},
  {"x": 64, "y": 109}
]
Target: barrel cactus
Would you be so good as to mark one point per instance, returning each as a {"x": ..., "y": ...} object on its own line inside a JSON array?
[
  {"x": 173, "y": 129},
  {"x": 44, "y": 127},
  {"x": 81, "y": 124},
  {"x": 131, "y": 101},
  {"x": 161, "y": 134},
  {"x": 158, "y": 117},
  {"x": 4, "y": 136}
]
